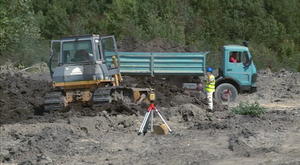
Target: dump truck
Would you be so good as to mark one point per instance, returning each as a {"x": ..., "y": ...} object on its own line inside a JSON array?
[
  {"x": 233, "y": 77},
  {"x": 80, "y": 74}
]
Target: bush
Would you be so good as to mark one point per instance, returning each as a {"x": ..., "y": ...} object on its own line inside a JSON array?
[{"x": 252, "y": 109}]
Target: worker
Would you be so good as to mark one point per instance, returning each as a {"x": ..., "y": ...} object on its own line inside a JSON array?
[
  {"x": 233, "y": 58},
  {"x": 210, "y": 87}
]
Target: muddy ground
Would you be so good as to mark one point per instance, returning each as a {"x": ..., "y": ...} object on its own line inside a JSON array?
[{"x": 108, "y": 135}]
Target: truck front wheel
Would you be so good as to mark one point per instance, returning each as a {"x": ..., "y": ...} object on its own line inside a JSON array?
[{"x": 226, "y": 92}]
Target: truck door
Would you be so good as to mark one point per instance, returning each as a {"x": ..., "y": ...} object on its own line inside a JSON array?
[{"x": 238, "y": 66}]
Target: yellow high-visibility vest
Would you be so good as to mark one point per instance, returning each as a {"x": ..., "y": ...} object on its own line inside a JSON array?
[{"x": 210, "y": 84}]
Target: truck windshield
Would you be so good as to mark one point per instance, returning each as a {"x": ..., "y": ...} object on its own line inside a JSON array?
[{"x": 77, "y": 52}]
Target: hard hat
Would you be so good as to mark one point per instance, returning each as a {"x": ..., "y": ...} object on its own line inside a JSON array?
[{"x": 209, "y": 69}]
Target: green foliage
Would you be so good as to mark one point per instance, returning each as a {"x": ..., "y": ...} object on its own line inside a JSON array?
[
  {"x": 271, "y": 26},
  {"x": 20, "y": 33},
  {"x": 16, "y": 23},
  {"x": 147, "y": 20},
  {"x": 252, "y": 109}
]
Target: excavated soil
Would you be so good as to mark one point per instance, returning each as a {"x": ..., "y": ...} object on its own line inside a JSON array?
[
  {"x": 108, "y": 134},
  {"x": 20, "y": 96},
  {"x": 276, "y": 87}
]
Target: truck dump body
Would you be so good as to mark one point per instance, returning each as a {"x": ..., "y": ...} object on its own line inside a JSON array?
[{"x": 157, "y": 63}]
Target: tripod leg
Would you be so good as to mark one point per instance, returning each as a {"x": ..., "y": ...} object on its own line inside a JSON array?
[
  {"x": 144, "y": 123},
  {"x": 163, "y": 120},
  {"x": 151, "y": 121}
]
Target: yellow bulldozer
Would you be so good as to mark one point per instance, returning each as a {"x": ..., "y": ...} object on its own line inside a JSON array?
[{"x": 80, "y": 73}]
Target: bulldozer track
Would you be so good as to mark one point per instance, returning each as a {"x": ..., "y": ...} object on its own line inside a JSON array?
[
  {"x": 54, "y": 101},
  {"x": 102, "y": 95}
]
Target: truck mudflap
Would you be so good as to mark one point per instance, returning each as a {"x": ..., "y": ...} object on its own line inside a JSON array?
[{"x": 253, "y": 89}]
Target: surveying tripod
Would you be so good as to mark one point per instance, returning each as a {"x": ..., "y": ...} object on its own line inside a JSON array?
[{"x": 151, "y": 109}]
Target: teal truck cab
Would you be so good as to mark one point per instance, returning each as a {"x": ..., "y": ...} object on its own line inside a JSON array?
[{"x": 237, "y": 73}]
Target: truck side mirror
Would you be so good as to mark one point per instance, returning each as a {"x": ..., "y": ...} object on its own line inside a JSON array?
[
  {"x": 245, "y": 43},
  {"x": 248, "y": 62}
]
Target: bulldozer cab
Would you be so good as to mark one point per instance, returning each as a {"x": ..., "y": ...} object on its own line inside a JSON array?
[
  {"x": 88, "y": 49},
  {"x": 80, "y": 49}
]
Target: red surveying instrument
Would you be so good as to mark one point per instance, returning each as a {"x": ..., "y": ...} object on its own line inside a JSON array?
[{"x": 152, "y": 108}]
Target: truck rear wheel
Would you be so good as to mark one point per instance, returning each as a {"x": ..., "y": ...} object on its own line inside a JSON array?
[{"x": 226, "y": 92}]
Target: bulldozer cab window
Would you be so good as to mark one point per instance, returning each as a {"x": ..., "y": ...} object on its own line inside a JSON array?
[
  {"x": 108, "y": 46},
  {"x": 108, "y": 49},
  {"x": 77, "y": 52}
]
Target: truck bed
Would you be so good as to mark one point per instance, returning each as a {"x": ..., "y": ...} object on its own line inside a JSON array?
[{"x": 160, "y": 63}]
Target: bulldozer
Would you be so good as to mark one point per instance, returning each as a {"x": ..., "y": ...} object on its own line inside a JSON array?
[{"x": 80, "y": 73}]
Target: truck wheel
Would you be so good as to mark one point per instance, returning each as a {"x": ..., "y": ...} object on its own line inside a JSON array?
[{"x": 226, "y": 92}]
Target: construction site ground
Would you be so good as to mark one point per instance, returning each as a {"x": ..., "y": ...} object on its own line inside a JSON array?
[{"x": 108, "y": 134}]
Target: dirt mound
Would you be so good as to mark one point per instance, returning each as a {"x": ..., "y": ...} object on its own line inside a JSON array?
[
  {"x": 168, "y": 94},
  {"x": 108, "y": 134},
  {"x": 276, "y": 87},
  {"x": 164, "y": 91},
  {"x": 22, "y": 97},
  {"x": 112, "y": 139},
  {"x": 254, "y": 136},
  {"x": 19, "y": 96},
  {"x": 283, "y": 84}
]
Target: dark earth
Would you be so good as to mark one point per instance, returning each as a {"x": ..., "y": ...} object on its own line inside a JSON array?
[{"x": 108, "y": 134}]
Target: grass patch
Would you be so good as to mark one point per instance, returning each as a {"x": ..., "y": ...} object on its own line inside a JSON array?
[{"x": 252, "y": 109}]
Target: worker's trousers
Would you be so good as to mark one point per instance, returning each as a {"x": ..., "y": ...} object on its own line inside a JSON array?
[{"x": 209, "y": 96}]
